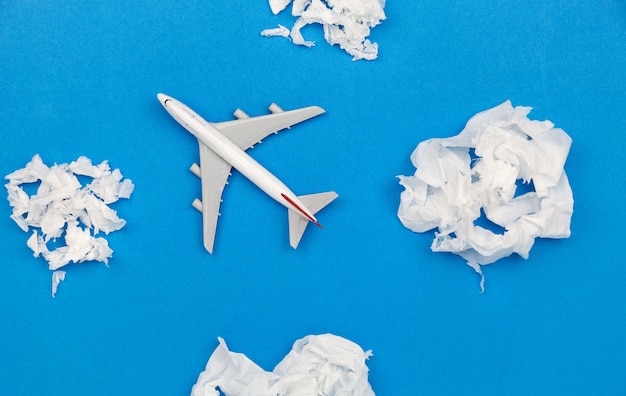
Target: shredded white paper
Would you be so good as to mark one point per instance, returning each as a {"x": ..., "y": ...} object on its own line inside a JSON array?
[
  {"x": 62, "y": 207},
  {"x": 452, "y": 185},
  {"x": 317, "y": 365},
  {"x": 346, "y": 23},
  {"x": 57, "y": 277},
  {"x": 280, "y": 31}
]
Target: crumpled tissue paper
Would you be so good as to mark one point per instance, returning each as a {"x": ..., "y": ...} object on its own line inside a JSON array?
[
  {"x": 317, "y": 365},
  {"x": 482, "y": 169},
  {"x": 61, "y": 206},
  {"x": 346, "y": 23}
]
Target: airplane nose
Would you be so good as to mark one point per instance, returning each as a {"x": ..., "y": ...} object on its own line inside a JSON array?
[{"x": 162, "y": 98}]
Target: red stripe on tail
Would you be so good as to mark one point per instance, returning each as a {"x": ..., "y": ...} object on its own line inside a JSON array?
[{"x": 301, "y": 211}]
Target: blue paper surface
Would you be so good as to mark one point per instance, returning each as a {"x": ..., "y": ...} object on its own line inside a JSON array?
[{"x": 81, "y": 78}]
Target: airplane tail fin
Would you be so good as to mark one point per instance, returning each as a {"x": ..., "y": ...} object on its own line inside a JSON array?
[{"x": 297, "y": 223}]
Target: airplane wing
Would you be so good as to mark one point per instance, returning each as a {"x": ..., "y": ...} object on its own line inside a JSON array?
[
  {"x": 246, "y": 132},
  {"x": 214, "y": 172}
]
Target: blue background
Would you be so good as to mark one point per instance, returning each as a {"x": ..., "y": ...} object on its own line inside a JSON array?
[{"x": 81, "y": 78}]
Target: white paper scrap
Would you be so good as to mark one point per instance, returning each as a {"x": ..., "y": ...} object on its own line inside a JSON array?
[
  {"x": 62, "y": 207},
  {"x": 317, "y": 365},
  {"x": 57, "y": 277},
  {"x": 480, "y": 169},
  {"x": 346, "y": 23},
  {"x": 280, "y": 31}
]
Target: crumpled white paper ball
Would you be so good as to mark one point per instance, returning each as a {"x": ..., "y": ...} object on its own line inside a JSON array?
[
  {"x": 317, "y": 365},
  {"x": 347, "y": 23},
  {"x": 479, "y": 170}
]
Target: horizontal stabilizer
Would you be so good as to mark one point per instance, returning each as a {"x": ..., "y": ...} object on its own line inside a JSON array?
[{"x": 298, "y": 223}]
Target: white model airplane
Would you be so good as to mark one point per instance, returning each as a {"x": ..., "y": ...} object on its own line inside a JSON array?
[{"x": 223, "y": 145}]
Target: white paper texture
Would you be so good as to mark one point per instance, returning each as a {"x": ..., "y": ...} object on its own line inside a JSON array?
[
  {"x": 62, "y": 207},
  {"x": 451, "y": 186},
  {"x": 317, "y": 365},
  {"x": 57, "y": 277},
  {"x": 280, "y": 31},
  {"x": 346, "y": 23}
]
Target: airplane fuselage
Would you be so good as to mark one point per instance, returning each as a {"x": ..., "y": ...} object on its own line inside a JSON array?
[{"x": 235, "y": 156}]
